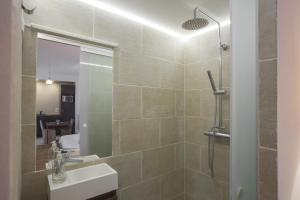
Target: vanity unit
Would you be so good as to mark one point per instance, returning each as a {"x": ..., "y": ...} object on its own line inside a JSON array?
[
  {"x": 106, "y": 196},
  {"x": 96, "y": 182}
]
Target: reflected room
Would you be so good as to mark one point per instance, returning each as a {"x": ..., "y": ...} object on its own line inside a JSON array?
[{"x": 73, "y": 99}]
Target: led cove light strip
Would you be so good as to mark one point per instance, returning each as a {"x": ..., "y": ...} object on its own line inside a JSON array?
[
  {"x": 146, "y": 22},
  {"x": 130, "y": 16},
  {"x": 205, "y": 30},
  {"x": 95, "y": 65}
]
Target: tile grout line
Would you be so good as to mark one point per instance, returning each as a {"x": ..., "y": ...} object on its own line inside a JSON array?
[
  {"x": 268, "y": 59},
  {"x": 268, "y": 148}
]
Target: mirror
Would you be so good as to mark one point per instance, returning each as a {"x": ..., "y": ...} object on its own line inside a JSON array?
[{"x": 73, "y": 98}]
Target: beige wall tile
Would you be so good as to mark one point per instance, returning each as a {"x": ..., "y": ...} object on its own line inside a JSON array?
[
  {"x": 172, "y": 75},
  {"x": 190, "y": 197},
  {"x": 268, "y": 104},
  {"x": 268, "y": 174},
  {"x": 195, "y": 128},
  {"x": 267, "y": 29},
  {"x": 158, "y": 102},
  {"x": 136, "y": 69},
  {"x": 179, "y": 197},
  {"x": 34, "y": 186},
  {"x": 159, "y": 45},
  {"x": 192, "y": 102},
  {"x": 128, "y": 167},
  {"x": 148, "y": 190},
  {"x": 115, "y": 137},
  {"x": 130, "y": 68},
  {"x": 192, "y": 156},
  {"x": 199, "y": 186},
  {"x": 28, "y": 148},
  {"x": 28, "y": 100},
  {"x": 151, "y": 71},
  {"x": 29, "y": 52},
  {"x": 221, "y": 163},
  {"x": 268, "y": 133},
  {"x": 226, "y": 36},
  {"x": 173, "y": 184},
  {"x": 171, "y": 130},
  {"x": 196, "y": 74},
  {"x": 207, "y": 104},
  {"x": 136, "y": 135},
  {"x": 158, "y": 161},
  {"x": 127, "y": 102},
  {"x": 226, "y": 70},
  {"x": 225, "y": 191},
  {"x": 180, "y": 52},
  {"x": 179, "y": 101},
  {"x": 226, "y": 105},
  {"x": 114, "y": 28},
  {"x": 202, "y": 48},
  {"x": 116, "y": 65},
  {"x": 67, "y": 15},
  {"x": 179, "y": 156}
]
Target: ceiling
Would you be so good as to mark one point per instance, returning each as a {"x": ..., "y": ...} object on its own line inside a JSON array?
[
  {"x": 58, "y": 60},
  {"x": 61, "y": 61},
  {"x": 172, "y": 13}
]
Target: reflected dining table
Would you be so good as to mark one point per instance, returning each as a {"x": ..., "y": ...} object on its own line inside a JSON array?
[{"x": 57, "y": 125}]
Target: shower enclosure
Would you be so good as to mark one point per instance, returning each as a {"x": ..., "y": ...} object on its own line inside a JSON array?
[
  {"x": 217, "y": 129},
  {"x": 207, "y": 135}
]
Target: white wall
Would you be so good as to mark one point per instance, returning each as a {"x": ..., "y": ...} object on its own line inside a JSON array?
[
  {"x": 48, "y": 98},
  {"x": 10, "y": 67},
  {"x": 288, "y": 99}
]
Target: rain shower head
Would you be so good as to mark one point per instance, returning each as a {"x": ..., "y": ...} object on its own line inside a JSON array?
[{"x": 195, "y": 23}]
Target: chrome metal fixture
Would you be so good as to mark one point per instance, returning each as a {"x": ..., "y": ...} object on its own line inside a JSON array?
[
  {"x": 29, "y": 6},
  {"x": 217, "y": 129}
]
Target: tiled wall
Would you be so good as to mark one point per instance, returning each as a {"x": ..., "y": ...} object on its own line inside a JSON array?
[
  {"x": 267, "y": 100},
  {"x": 148, "y": 104},
  {"x": 10, "y": 109},
  {"x": 150, "y": 121},
  {"x": 202, "y": 54}
]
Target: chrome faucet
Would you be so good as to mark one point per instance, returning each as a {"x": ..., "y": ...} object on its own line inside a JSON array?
[
  {"x": 69, "y": 159},
  {"x": 58, "y": 172}
]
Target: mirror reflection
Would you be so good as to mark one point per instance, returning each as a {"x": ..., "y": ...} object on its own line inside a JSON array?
[{"x": 73, "y": 98}]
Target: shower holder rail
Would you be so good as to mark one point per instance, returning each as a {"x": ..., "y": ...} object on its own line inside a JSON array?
[{"x": 217, "y": 134}]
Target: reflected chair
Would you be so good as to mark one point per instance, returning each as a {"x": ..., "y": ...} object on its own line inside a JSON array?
[
  {"x": 49, "y": 135},
  {"x": 69, "y": 129}
]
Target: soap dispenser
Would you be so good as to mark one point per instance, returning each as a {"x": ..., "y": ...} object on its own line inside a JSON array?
[
  {"x": 58, "y": 172},
  {"x": 51, "y": 155},
  {"x": 52, "y": 150}
]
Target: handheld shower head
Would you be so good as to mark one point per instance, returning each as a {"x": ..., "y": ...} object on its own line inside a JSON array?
[
  {"x": 213, "y": 86},
  {"x": 212, "y": 82}
]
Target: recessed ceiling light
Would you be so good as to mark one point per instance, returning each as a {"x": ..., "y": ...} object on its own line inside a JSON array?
[
  {"x": 128, "y": 15},
  {"x": 49, "y": 82}
]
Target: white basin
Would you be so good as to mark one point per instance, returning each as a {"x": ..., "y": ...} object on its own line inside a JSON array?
[{"x": 84, "y": 183}]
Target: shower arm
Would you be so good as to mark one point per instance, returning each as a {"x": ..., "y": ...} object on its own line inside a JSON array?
[
  {"x": 220, "y": 39},
  {"x": 217, "y": 22}
]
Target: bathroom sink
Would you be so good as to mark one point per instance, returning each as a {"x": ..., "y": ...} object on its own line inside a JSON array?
[{"x": 84, "y": 183}]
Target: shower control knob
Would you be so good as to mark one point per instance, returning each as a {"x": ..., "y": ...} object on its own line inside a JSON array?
[{"x": 29, "y": 6}]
